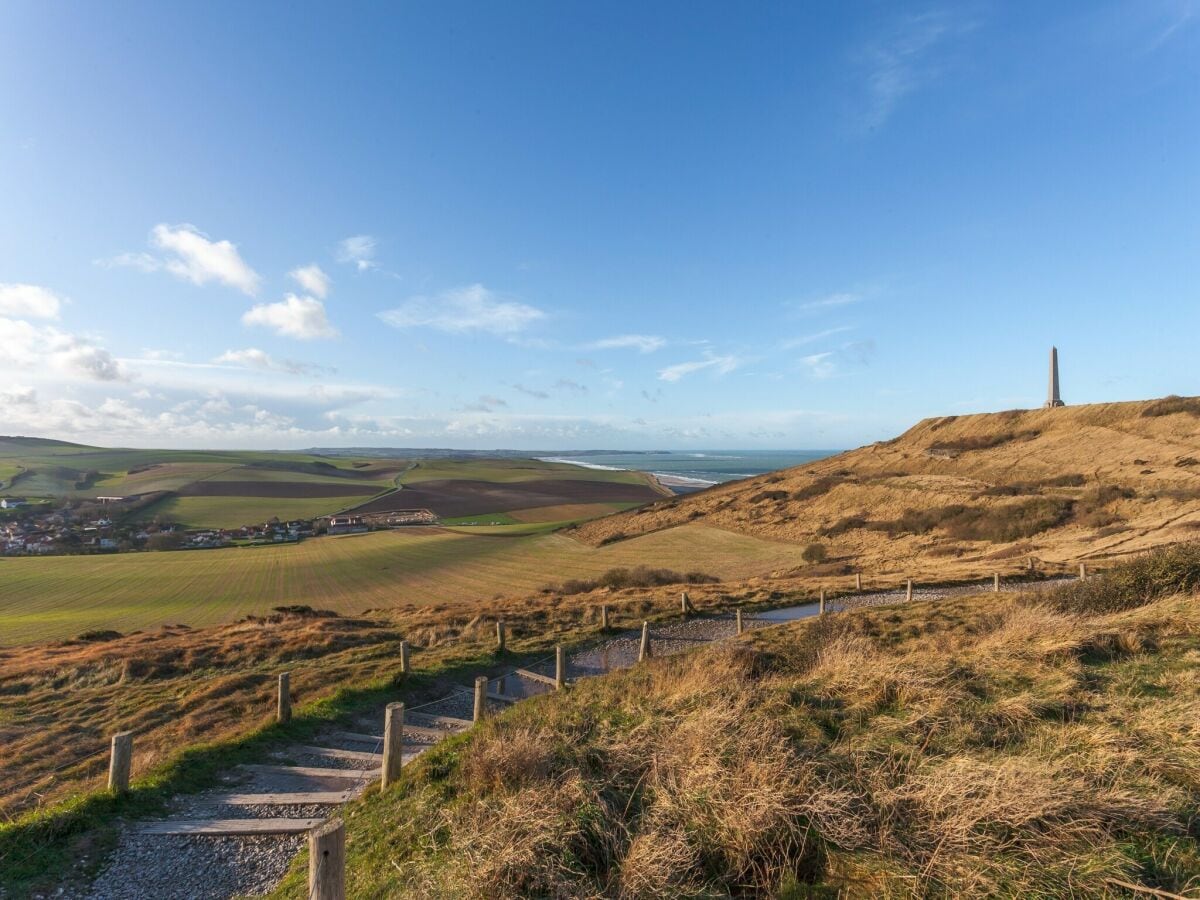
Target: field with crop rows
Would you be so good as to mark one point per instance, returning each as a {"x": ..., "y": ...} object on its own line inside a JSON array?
[{"x": 59, "y": 597}]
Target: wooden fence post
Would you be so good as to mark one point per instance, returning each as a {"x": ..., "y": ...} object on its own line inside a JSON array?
[
  {"x": 738, "y": 613},
  {"x": 404, "y": 657},
  {"x": 821, "y": 603},
  {"x": 995, "y": 582},
  {"x": 858, "y": 581},
  {"x": 283, "y": 702},
  {"x": 327, "y": 861},
  {"x": 480, "y": 698},
  {"x": 908, "y": 591},
  {"x": 120, "y": 761},
  {"x": 685, "y": 603},
  {"x": 644, "y": 649},
  {"x": 500, "y": 636},
  {"x": 604, "y": 617},
  {"x": 560, "y": 668},
  {"x": 1083, "y": 571},
  {"x": 393, "y": 743}
]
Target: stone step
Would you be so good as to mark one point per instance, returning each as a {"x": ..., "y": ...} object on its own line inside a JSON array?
[
  {"x": 313, "y": 772},
  {"x": 292, "y": 798},
  {"x": 332, "y": 753},
  {"x": 230, "y": 826}
]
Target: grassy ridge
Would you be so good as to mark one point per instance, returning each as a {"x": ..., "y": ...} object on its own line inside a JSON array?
[
  {"x": 980, "y": 746},
  {"x": 63, "y": 596}
]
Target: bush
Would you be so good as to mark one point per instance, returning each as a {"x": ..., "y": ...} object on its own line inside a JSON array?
[
  {"x": 1170, "y": 405},
  {"x": 814, "y": 553},
  {"x": 984, "y": 441},
  {"x": 841, "y": 526},
  {"x": 999, "y": 524},
  {"x": 816, "y": 489},
  {"x": 637, "y": 577},
  {"x": 1161, "y": 573},
  {"x": 763, "y": 496}
]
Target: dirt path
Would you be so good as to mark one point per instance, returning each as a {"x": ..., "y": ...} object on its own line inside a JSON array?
[{"x": 170, "y": 866}]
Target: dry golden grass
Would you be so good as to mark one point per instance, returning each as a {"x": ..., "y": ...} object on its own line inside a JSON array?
[
  {"x": 1095, "y": 482},
  {"x": 979, "y": 746}
]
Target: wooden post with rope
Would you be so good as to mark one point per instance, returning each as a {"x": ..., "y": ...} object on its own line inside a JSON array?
[
  {"x": 404, "y": 658},
  {"x": 393, "y": 743},
  {"x": 283, "y": 702},
  {"x": 120, "y": 761},
  {"x": 500, "y": 636},
  {"x": 560, "y": 668},
  {"x": 644, "y": 649},
  {"x": 480, "y": 698},
  {"x": 327, "y": 861},
  {"x": 738, "y": 615}
]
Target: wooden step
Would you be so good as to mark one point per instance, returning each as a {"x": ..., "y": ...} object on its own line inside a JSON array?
[
  {"x": 537, "y": 676},
  {"x": 293, "y": 798},
  {"x": 445, "y": 720},
  {"x": 230, "y": 826},
  {"x": 503, "y": 698},
  {"x": 312, "y": 772},
  {"x": 409, "y": 728},
  {"x": 332, "y": 753}
]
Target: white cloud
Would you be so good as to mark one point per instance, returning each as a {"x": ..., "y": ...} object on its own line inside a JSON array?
[
  {"x": 820, "y": 365},
  {"x": 643, "y": 343},
  {"x": 312, "y": 280},
  {"x": 466, "y": 309},
  {"x": 531, "y": 392},
  {"x": 358, "y": 251},
  {"x": 253, "y": 358},
  {"x": 29, "y": 301},
  {"x": 721, "y": 365},
  {"x": 897, "y": 62},
  {"x": 297, "y": 317},
  {"x": 813, "y": 338},
  {"x": 192, "y": 256},
  {"x": 843, "y": 298},
  {"x": 37, "y": 348}
]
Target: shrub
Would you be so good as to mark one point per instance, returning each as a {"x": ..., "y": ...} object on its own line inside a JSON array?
[
  {"x": 763, "y": 496},
  {"x": 984, "y": 441},
  {"x": 999, "y": 524},
  {"x": 637, "y": 577},
  {"x": 816, "y": 489},
  {"x": 1134, "y": 583},
  {"x": 1173, "y": 404},
  {"x": 814, "y": 553},
  {"x": 841, "y": 526}
]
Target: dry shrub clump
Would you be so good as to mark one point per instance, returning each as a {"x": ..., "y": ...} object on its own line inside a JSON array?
[
  {"x": 637, "y": 577},
  {"x": 1134, "y": 583}
]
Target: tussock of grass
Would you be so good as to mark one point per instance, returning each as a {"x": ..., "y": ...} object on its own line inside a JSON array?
[
  {"x": 636, "y": 577},
  {"x": 982, "y": 746}
]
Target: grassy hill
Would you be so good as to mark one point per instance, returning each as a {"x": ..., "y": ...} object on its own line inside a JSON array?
[
  {"x": 1016, "y": 746},
  {"x": 227, "y": 489},
  {"x": 60, "y": 597},
  {"x": 961, "y": 496}
]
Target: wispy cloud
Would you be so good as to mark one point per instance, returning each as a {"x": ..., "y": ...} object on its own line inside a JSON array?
[
  {"x": 188, "y": 253},
  {"x": 806, "y": 339},
  {"x": 899, "y": 61},
  {"x": 531, "y": 392},
  {"x": 29, "y": 301},
  {"x": 829, "y": 301},
  {"x": 643, "y": 343},
  {"x": 253, "y": 358},
  {"x": 312, "y": 280},
  {"x": 486, "y": 403},
  {"x": 34, "y": 348},
  {"x": 358, "y": 251},
  {"x": 296, "y": 317},
  {"x": 464, "y": 310},
  {"x": 566, "y": 384},
  {"x": 720, "y": 365},
  {"x": 855, "y": 354}
]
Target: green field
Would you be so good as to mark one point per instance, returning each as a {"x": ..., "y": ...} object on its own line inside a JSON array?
[
  {"x": 227, "y": 489},
  {"x": 58, "y": 597}
]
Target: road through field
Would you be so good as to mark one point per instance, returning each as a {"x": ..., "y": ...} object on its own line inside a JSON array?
[{"x": 60, "y": 597}]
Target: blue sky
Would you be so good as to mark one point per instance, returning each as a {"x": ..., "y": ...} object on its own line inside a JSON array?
[{"x": 549, "y": 225}]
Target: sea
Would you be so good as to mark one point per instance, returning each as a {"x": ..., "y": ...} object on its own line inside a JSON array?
[{"x": 696, "y": 470}]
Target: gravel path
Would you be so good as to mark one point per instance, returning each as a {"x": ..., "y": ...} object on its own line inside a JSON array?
[{"x": 215, "y": 868}]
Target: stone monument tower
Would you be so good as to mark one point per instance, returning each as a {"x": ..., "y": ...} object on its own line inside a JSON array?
[{"x": 1052, "y": 398}]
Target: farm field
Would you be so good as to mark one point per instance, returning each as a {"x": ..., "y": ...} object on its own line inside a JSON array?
[
  {"x": 227, "y": 489},
  {"x": 59, "y": 597}
]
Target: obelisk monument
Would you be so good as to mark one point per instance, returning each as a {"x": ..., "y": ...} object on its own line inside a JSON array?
[{"x": 1052, "y": 398}]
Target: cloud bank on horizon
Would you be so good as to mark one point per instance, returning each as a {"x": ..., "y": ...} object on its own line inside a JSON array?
[{"x": 856, "y": 221}]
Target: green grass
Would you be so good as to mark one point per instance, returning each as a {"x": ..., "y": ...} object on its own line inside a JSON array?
[
  {"x": 232, "y": 512},
  {"x": 58, "y": 597},
  {"x": 509, "y": 470}
]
